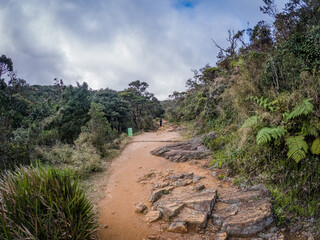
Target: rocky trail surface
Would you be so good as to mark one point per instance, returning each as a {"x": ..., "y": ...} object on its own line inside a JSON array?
[{"x": 159, "y": 191}]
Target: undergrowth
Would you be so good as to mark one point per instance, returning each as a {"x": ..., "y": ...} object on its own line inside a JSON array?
[{"x": 44, "y": 203}]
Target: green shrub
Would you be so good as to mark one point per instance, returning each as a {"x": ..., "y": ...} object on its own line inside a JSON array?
[{"x": 44, "y": 203}]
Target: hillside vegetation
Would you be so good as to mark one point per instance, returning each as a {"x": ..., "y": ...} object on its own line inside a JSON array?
[
  {"x": 66, "y": 125},
  {"x": 52, "y": 137},
  {"x": 263, "y": 99}
]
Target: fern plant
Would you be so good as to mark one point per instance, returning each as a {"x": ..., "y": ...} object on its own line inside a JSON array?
[
  {"x": 264, "y": 102},
  {"x": 315, "y": 148},
  {"x": 296, "y": 143},
  {"x": 298, "y": 148},
  {"x": 251, "y": 121},
  {"x": 267, "y": 134},
  {"x": 304, "y": 108},
  {"x": 309, "y": 129}
]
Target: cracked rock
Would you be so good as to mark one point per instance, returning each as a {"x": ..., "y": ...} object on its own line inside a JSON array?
[
  {"x": 140, "y": 208},
  {"x": 178, "y": 227},
  {"x": 152, "y": 216},
  {"x": 157, "y": 194}
]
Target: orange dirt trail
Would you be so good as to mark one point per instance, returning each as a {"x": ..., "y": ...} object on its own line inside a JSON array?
[{"x": 117, "y": 216}]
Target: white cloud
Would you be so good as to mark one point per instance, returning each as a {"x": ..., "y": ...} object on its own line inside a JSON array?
[{"x": 111, "y": 43}]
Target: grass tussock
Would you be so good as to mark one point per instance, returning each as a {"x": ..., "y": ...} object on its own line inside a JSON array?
[{"x": 44, "y": 203}]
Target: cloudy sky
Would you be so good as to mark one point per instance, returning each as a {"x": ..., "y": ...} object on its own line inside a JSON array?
[{"x": 110, "y": 43}]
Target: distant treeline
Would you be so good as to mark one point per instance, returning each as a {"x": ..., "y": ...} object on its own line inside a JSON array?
[{"x": 35, "y": 115}]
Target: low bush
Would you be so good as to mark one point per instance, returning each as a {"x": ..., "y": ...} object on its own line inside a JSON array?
[{"x": 44, "y": 203}]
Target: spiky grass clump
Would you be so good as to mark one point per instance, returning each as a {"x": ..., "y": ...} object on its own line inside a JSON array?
[{"x": 44, "y": 203}]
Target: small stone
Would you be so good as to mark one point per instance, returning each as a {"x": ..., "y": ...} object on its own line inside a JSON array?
[
  {"x": 214, "y": 174},
  {"x": 152, "y": 237},
  {"x": 273, "y": 229},
  {"x": 199, "y": 187},
  {"x": 216, "y": 165},
  {"x": 145, "y": 177},
  {"x": 178, "y": 227},
  {"x": 183, "y": 183},
  {"x": 295, "y": 228},
  {"x": 261, "y": 188},
  {"x": 221, "y": 236},
  {"x": 140, "y": 208},
  {"x": 311, "y": 237},
  {"x": 152, "y": 216},
  {"x": 197, "y": 178},
  {"x": 105, "y": 226}
]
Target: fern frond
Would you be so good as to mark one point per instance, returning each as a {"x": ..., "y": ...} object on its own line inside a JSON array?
[
  {"x": 304, "y": 108},
  {"x": 267, "y": 134},
  {"x": 308, "y": 129},
  {"x": 298, "y": 148},
  {"x": 251, "y": 121},
  {"x": 315, "y": 148}
]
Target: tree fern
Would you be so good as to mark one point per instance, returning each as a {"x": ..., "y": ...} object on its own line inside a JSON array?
[
  {"x": 251, "y": 121},
  {"x": 267, "y": 134},
  {"x": 309, "y": 129},
  {"x": 304, "y": 108},
  {"x": 298, "y": 148},
  {"x": 315, "y": 148}
]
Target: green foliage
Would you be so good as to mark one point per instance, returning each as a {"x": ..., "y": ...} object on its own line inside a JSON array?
[
  {"x": 144, "y": 106},
  {"x": 116, "y": 109},
  {"x": 251, "y": 121},
  {"x": 74, "y": 113},
  {"x": 309, "y": 129},
  {"x": 44, "y": 203},
  {"x": 264, "y": 102},
  {"x": 304, "y": 108},
  {"x": 99, "y": 127},
  {"x": 266, "y": 134},
  {"x": 222, "y": 177},
  {"x": 298, "y": 148},
  {"x": 315, "y": 148}
]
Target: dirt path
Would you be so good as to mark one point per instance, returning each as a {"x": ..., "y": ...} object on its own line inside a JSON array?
[{"x": 123, "y": 192}]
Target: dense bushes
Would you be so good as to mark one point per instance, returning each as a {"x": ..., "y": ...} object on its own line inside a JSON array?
[
  {"x": 264, "y": 104},
  {"x": 34, "y": 117},
  {"x": 44, "y": 203}
]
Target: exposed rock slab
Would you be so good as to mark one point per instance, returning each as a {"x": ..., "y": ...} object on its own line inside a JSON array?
[
  {"x": 169, "y": 209},
  {"x": 202, "y": 201},
  {"x": 194, "y": 218},
  {"x": 251, "y": 219},
  {"x": 192, "y": 208},
  {"x": 246, "y": 213},
  {"x": 184, "y": 151}
]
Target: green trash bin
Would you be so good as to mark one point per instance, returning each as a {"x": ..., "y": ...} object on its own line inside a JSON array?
[{"x": 130, "y": 132}]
